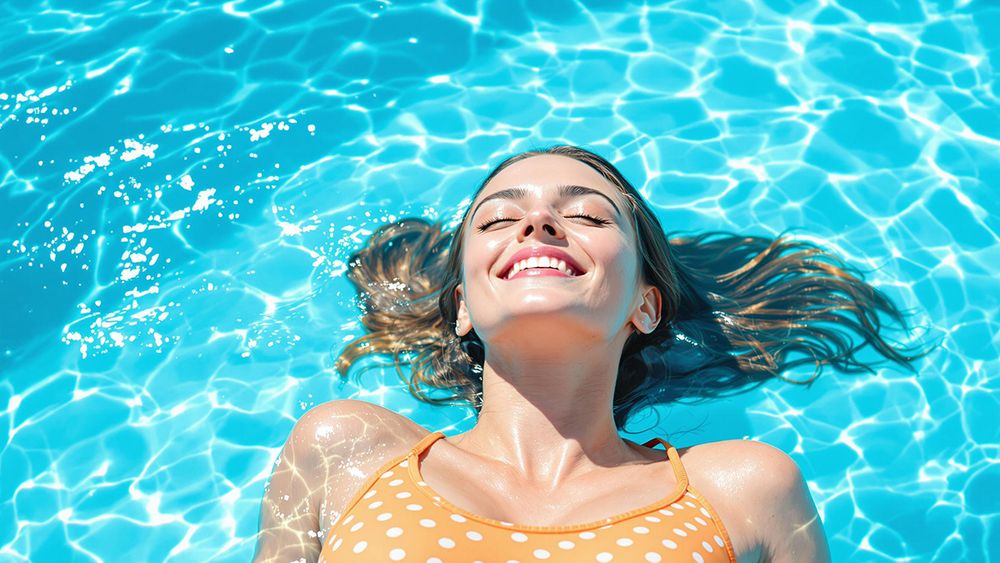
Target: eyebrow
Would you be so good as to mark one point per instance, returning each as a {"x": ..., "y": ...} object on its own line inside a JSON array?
[{"x": 564, "y": 192}]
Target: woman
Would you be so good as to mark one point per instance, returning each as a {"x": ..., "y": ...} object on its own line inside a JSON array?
[{"x": 555, "y": 308}]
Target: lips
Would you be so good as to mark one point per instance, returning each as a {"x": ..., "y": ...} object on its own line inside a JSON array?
[{"x": 538, "y": 252}]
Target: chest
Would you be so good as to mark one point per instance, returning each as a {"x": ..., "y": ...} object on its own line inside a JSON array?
[
  {"x": 402, "y": 517},
  {"x": 632, "y": 490}
]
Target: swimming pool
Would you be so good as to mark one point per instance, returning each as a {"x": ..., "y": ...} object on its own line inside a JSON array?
[{"x": 182, "y": 184}]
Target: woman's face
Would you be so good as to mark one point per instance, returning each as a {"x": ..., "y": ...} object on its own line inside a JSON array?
[{"x": 561, "y": 209}]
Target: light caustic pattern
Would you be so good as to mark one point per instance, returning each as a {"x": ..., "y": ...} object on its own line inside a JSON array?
[{"x": 182, "y": 186}]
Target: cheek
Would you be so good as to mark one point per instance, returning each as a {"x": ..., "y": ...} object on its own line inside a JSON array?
[
  {"x": 479, "y": 256},
  {"x": 614, "y": 252}
]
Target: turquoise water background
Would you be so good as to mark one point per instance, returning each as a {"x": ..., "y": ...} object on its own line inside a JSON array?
[{"x": 182, "y": 182}]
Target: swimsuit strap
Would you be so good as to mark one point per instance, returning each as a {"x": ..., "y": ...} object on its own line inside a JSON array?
[
  {"x": 424, "y": 443},
  {"x": 675, "y": 460}
]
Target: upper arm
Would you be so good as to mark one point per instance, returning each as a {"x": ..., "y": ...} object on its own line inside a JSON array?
[
  {"x": 327, "y": 456},
  {"x": 791, "y": 530}
]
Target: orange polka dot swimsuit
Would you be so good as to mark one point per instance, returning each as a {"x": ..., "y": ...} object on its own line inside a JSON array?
[{"x": 396, "y": 516}]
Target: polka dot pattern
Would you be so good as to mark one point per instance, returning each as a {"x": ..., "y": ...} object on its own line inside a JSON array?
[{"x": 398, "y": 516}]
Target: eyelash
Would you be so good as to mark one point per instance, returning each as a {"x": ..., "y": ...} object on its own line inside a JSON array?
[{"x": 487, "y": 224}]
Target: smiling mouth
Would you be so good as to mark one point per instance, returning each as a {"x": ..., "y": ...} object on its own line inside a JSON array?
[{"x": 543, "y": 266}]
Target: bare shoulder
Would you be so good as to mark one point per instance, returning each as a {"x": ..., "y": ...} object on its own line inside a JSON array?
[
  {"x": 366, "y": 433},
  {"x": 330, "y": 453},
  {"x": 351, "y": 420},
  {"x": 761, "y": 497},
  {"x": 729, "y": 459}
]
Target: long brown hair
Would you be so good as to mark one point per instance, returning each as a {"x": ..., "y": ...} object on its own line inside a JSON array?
[{"x": 737, "y": 309}]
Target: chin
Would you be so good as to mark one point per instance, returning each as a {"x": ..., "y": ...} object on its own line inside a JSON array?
[{"x": 535, "y": 322}]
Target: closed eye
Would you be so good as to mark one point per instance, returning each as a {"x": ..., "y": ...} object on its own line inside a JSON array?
[
  {"x": 489, "y": 223},
  {"x": 596, "y": 220}
]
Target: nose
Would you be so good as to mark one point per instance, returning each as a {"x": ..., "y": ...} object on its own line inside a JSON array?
[{"x": 542, "y": 224}]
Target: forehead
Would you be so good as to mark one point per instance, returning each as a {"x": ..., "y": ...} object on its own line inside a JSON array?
[{"x": 549, "y": 171}]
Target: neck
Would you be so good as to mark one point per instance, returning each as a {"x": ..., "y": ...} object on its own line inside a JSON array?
[{"x": 547, "y": 411}]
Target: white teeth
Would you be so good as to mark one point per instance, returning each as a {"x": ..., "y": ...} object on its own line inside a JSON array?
[{"x": 540, "y": 262}]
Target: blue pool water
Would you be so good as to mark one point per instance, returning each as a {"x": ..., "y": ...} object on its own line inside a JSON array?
[{"x": 181, "y": 183}]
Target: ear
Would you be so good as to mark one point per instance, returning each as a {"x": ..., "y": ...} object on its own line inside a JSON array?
[
  {"x": 646, "y": 316},
  {"x": 462, "y": 322}
]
